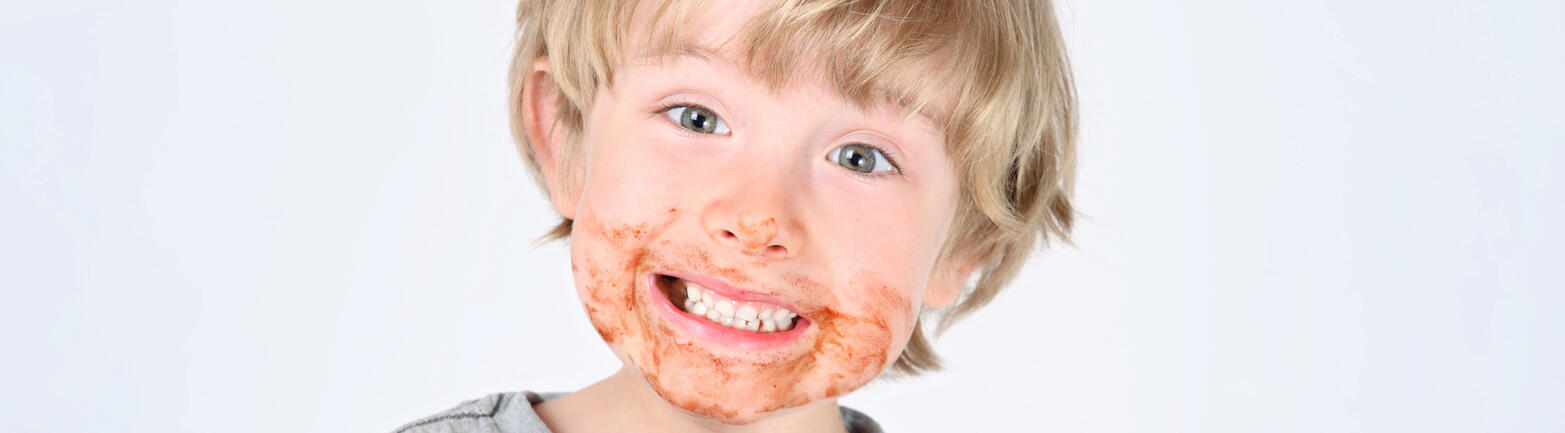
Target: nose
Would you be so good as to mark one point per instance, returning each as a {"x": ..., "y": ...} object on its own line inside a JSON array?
[
  {"x": 753, "y": 234},
  {"x": 760, "y": 209}
]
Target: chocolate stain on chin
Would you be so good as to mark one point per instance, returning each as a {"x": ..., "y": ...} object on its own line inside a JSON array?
[{"x": 841, "y": 353}]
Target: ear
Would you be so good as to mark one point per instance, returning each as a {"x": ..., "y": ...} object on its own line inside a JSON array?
[
  {"x": 947, "y": 281},
  {"x": 540, "y": 107}
]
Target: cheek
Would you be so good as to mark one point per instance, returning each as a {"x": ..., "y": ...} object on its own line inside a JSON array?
[
  {"x": 604, "y": 262},
  {"x": 857, "y": 346},
  {"x": 604, "y": 281}
]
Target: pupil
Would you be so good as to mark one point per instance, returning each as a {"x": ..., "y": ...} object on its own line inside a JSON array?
[
  {"x": 697, "y": 120},
  {"x": 857, "y": 158}
]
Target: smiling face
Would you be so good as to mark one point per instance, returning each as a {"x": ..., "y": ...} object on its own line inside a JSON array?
[{"x": 750, "y": 250}]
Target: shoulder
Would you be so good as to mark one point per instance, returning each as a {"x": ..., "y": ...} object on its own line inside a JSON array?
[
  {"x": 858, "y": 422},
  {"x": 509, "y": 412}
]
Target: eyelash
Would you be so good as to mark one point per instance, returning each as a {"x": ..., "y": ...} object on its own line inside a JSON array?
[
  {"x": 663, "y": 109},
  {"x": 891, "y": 157},
  {"x": 896, "y": 169}
]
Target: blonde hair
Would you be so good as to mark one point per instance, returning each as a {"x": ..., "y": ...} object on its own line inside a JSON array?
[{"x": 1010, "y": 131}]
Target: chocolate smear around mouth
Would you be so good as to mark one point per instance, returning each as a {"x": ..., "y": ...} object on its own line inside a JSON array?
[{"x": 840, "y": 352}]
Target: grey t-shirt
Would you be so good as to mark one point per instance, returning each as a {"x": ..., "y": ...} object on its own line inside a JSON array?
[{"x": 512, "y": 412}]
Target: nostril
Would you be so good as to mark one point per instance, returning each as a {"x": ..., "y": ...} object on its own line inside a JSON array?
[
  {"x": 776, "y": 251},
  {"x": 727, "y": 235}
]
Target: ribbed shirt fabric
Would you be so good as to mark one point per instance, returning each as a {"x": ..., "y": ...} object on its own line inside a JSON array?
[{"x": 512, "y": 412}]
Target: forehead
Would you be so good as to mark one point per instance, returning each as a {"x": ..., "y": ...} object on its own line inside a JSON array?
[{"x": 858, "y": 56}]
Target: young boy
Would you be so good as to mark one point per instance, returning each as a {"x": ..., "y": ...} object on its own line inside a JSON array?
[{"x": 764, "y": 199}]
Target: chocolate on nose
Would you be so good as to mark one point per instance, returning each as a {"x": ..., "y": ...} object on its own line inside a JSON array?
[{"x": 755, "y": 232}]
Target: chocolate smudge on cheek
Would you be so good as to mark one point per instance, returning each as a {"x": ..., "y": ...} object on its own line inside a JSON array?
[
  {"x": 853, "y": 348},
  {"x": 609, "y": 296}
]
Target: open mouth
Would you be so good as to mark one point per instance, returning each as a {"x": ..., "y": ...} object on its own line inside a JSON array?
[{"x": 698, "y": 301}]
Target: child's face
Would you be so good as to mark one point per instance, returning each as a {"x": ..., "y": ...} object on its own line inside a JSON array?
[{"x": 698, "y": 179}]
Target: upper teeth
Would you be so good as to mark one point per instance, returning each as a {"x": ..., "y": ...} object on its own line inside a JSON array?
[{"x": 749, "y": 316}]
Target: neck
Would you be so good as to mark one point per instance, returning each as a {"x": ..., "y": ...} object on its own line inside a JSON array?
[{"x": 635, "y": 407}]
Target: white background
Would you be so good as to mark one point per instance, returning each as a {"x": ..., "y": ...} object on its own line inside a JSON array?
[{"x": 1336, "y": 216}]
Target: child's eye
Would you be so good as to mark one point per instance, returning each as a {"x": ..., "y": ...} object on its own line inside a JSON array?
[
  {"x": 861, "y": 158},
  {"x": 697, "y": 119}
]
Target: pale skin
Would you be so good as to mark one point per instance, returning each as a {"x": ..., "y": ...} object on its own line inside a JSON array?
[{"x": 755, "y": 192}]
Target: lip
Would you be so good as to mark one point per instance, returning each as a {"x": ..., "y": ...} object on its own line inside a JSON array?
[{"x": 720, "y": 335}]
